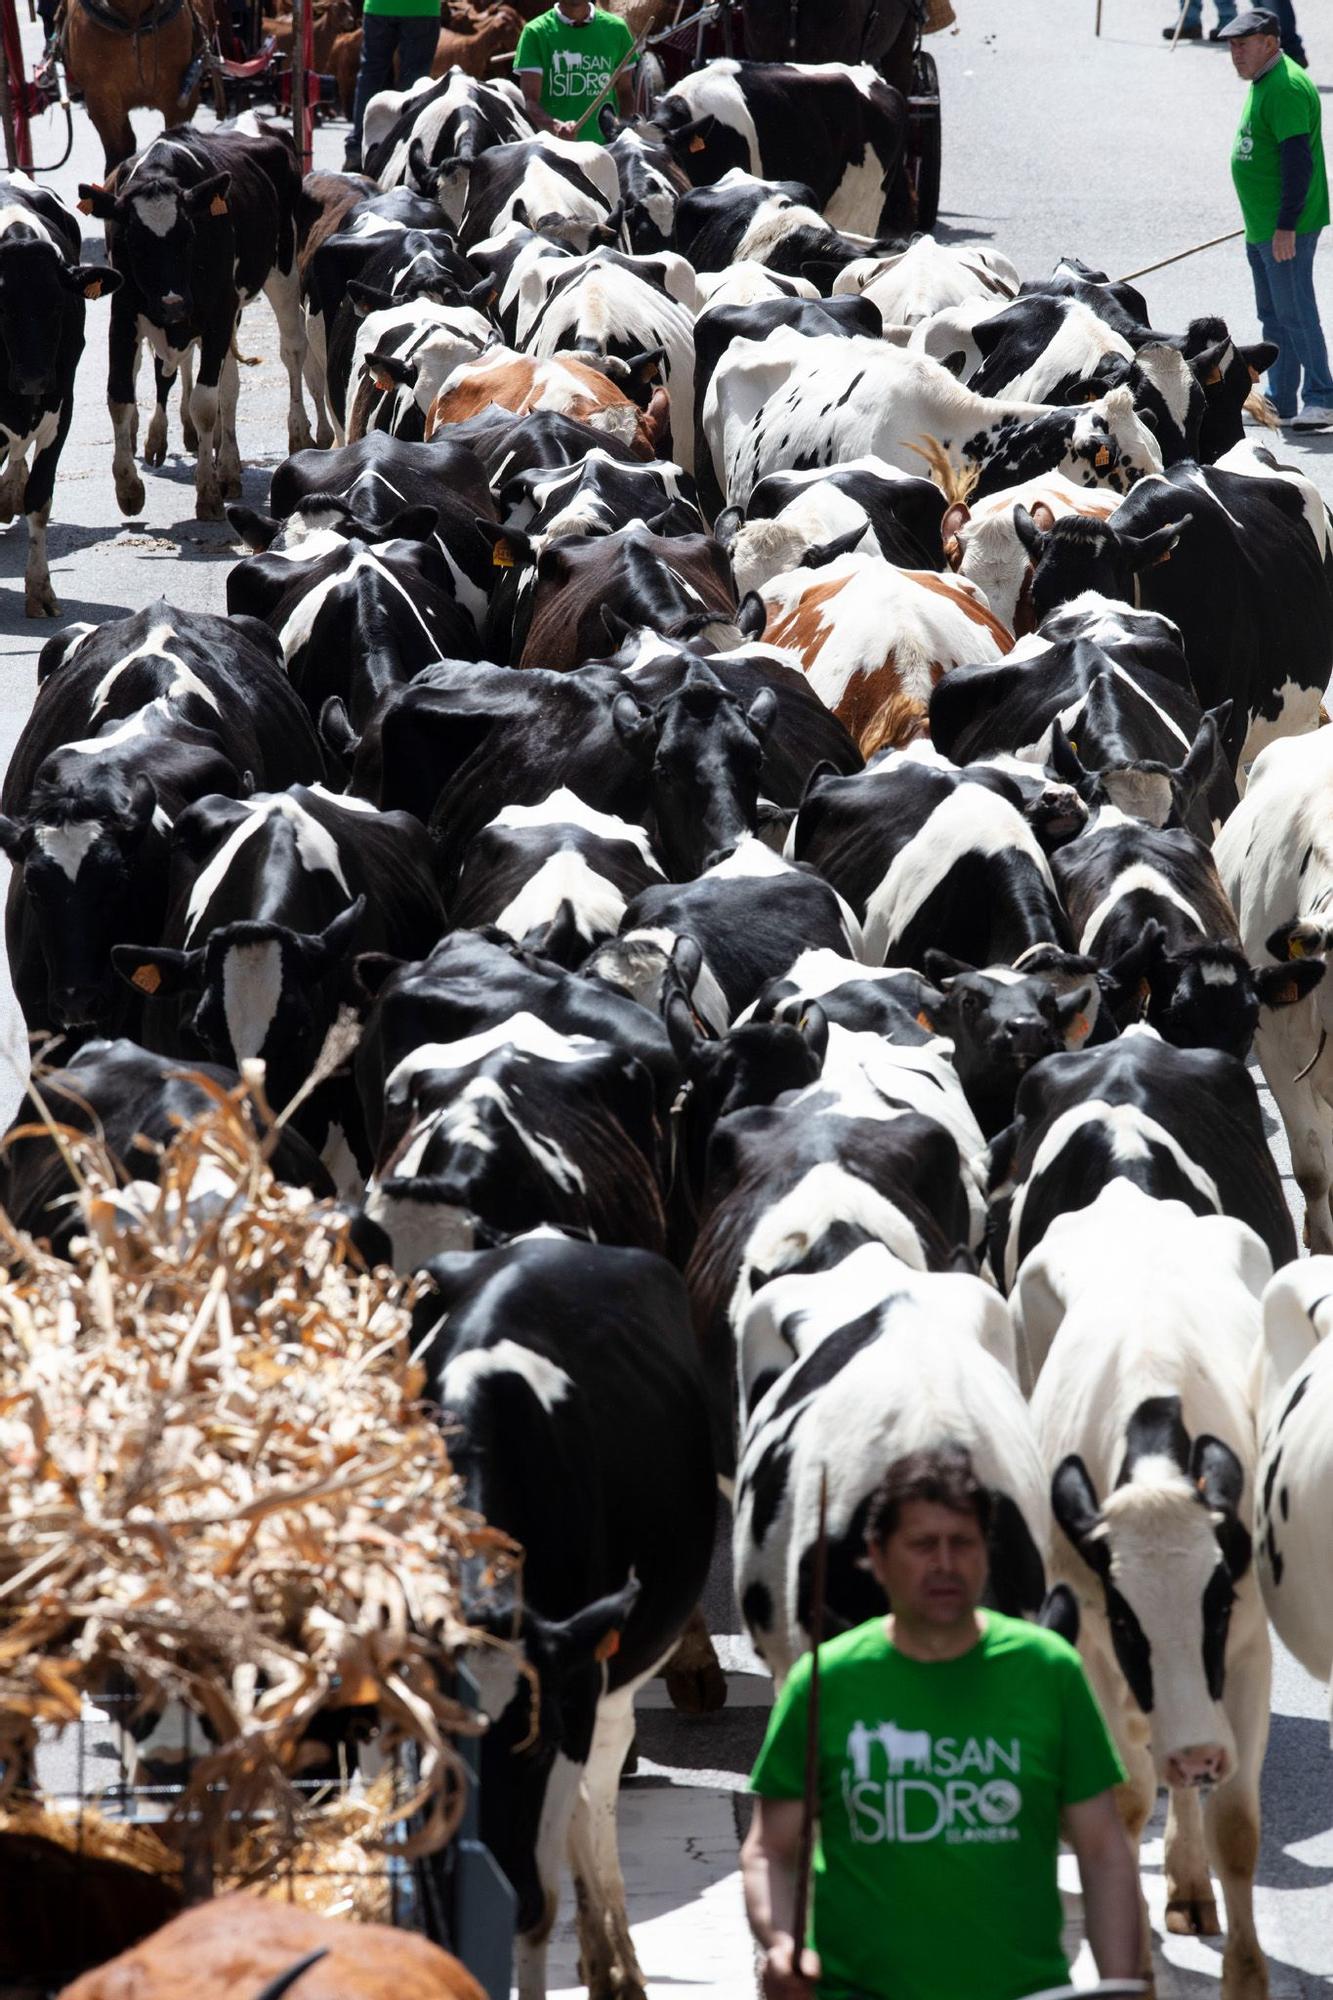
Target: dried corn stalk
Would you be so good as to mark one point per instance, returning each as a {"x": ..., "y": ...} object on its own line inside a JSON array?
[{"x": 216, "y": 1480}]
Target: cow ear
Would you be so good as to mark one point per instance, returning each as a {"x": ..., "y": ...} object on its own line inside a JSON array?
[
  {"x": 1029, "y": 534},
  {"x": 631, "y": 725},
  {"x": 1259, "y": 358},
  {"x": 682, "y": 1029},
  {"x": 1146, "y": 551},
  {"x": 410, "y": 524},
  {"x": 387, "y": 372},
  {"x": 96, "y": 200},
  {"x": 728, "y": 525},
  {"x": 1191, "y": 777},
  {"x": 15, "y": 838},
  {"x": 1220, "y": 1481},
  {"x": 1060, "y": 1614},
  {"x": 91, "y": 281},
  {"x": 692, "y": 137},
  {"x": 827, "y": 552},
  {"x": 1064, "y": 759},
  {"x": 956, "y": 518},
  {"x": 138, "y": 814},
  {"x": 158, "y": 973},
  {"x": 336, "y": 731},
  {"x": 368, "y": 298},
  {"x": 1296, "y": 940},
  {"x": 372, "y": 970},
  {"x": 1075, "y": 1506},
  {"x": 210, "y": 196},
  {"x": 814, "y": 1029},
  {"x": 258, "y": 531},
  {"x": 1128, "y": 980},
  {"x": 591, "y": 1635},
  {"x": 331, "y": 946},
  {"x": 483, "y": 296},
  {"x": 509, "y": 546},
  {"x": 1283, "y": 985},
  {"x": 687, "y": 960},
  {"x": 940, "y": 965},
  {"x": 762, "y": 712},
  {"x": 752, "y": 617},
  {"x": 1075, "y": 1014}
]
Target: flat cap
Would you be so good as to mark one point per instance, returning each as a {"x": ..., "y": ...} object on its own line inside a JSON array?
[{"x": 1258, "y": 21}]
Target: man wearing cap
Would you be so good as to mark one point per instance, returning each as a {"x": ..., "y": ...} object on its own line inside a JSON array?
[{"x": 1277, "y": 164}]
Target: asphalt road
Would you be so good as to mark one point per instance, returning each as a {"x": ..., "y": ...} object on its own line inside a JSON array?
[{"x": 1055, "y": 143}]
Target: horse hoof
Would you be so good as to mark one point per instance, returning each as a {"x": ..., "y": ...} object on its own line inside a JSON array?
[{"x": 697, "y": 1690}]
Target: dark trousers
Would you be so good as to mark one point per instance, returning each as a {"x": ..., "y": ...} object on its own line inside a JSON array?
[
  {"x": 1289, "y": 314},
  {"x": 413, "y": 36}
]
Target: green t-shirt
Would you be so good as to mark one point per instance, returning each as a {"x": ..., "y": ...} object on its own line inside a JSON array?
[
  {"x": 415, "y": 10},
  {"x": 940, "y": 1790},
  {"x": 1280, "y": 105},
  {"x": 575, "y": 63}
]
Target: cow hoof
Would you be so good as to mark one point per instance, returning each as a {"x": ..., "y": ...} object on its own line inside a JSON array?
[
  {"x": 129, "y": 494},
  {"x": 155, "y": 444},
  {"x": 299, "y": 436},
  {"x": 40, "y": 604},
  {"x": 324, "y": 437},
  {"x": 697, "y": 1690},
  {"x": 231, "y": 486},
  {"x": 1194, "y": 1916},
  {"x": 208, "y": 505},
  {"x": 189, "y": 436}
]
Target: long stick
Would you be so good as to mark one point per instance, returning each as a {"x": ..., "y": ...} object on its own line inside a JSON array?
[
  {"x": 1193, "y": 251},
  {"x": 1097, "y": 30},
  {"x": 1184, "y": 9},
  {"x": 805, "y": 1853}
]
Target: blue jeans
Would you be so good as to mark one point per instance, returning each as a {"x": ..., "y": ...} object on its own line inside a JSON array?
[
  {"x": 1226, "y": 11},
  {"x": 1289, "y": 315},
  {"x": 414, "y": 36}
]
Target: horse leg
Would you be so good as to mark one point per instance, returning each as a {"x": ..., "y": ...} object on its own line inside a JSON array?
[
  {"x": 155, "y": 444},
  {"x": 284, "y": 295},
  {"x": 123, "y": 343}
]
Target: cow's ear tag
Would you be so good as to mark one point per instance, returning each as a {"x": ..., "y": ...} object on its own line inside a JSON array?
[
  {"x": 147, "y": 978},
  {"x": 502, "y": 555},
  {"x": 384, "y": 383},
  {"x": 218, "y": 205},
  {"x": 1254, "y": 375},
  {"x": 608, "y": 1647},
  {"x": 1213, "y": 377},
  {"x": 1103, "y": 456},
  {"x": 696, "y": 144},
  {"x": 85, "y": 206},
  {"x": 1144, "y": 994},
  {"x": 1080, "y": 1027},
  {"x": 1289, "y": 994},
  {"x": 93, "y": 290},
  {"x": 923, "y": 1020},
  {"x": 1296, "y": 947},
  {"x": 1157, "y": 561}
]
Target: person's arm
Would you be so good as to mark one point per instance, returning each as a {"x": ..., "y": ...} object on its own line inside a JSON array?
[
  {"x": 625, "y": 92},
  {"x": 532, "y": 81},
  {"x": 1112, "y": 1904},
  {"x": 1296, "y": 162},
  {"x": 768, "y": 1870}
]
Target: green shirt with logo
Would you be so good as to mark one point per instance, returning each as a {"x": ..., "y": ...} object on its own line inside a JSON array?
[
  {"x": 940, "y": 1790},
  {"x": 575, "y": 63},
  {"x": 1281, "y": 104}
]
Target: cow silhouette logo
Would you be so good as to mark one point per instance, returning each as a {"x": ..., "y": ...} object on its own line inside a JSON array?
[{"x": 904, "y": 1749}]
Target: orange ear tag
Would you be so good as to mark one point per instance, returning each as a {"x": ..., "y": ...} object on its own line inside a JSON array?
[
  {"x": 93, "y": 291},
  {"x": 217, "y": 206},
  {"x": 923, "y": 1020},
  {"x": 607, "y": 1648},
  {"x": 147, "y": 979},
  {"x": 696, "y": 144},
  {"x": 85, "y": 208},
  {"x": 384, "y": 383},
  {"x": 1103, "y": 456}
]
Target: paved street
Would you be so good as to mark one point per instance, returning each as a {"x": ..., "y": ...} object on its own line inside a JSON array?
[{"x": 1054, "y": 143}]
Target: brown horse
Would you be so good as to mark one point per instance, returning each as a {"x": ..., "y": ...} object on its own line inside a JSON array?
[{"x": 126, "y": 54}]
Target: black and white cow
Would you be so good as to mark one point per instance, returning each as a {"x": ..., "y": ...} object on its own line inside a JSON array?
[
  {"x": 401, "y": 358},
  {"x": 1001, "y": 1020},
  {"x": 1103, "y": 695},
  {"x": 1145, "y": 1316},
  {"x": 269, "y": 898},
  {"x": 440, "y": 131},
  {"x": 555, "y": 876},
  {"x": 43, "y": 287},
  {"x": 133, "y": 1104},
  {"x": 197, "y": 224},
  {"x": 793, "y": 401},
  {"x": 415, "y": 267},
  {"x": 1146, "y": 904},
  {"x": 332, "y": 264},
  {"x": 774, "y": 224},
  {"x": 802, "y": 519},
  {"x": 912, "y": 285},
  {"x": 511, "y": 1129},
  {"x": 600, "y": 496},
  {"x": 847, "y": 1370},
  {"x": 375, "y": 479},
  {"x": 929, "y": 856},
  {"x": 1237, "y": 555},
  {"x": 651, "y": 184},
  {"x": 567, "y": 189},
  {"x": 1182, "y": 1124},
  {"x": 837, "y": 127},
  {"x": 133, "y": 720},
  {"x": 568, "y": 1376}
]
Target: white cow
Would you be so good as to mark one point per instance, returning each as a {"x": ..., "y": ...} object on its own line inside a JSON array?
[
  {"x": 929, "y": 276},
  {"x": 1294, "y": 1497},
  {"x": 1142, "y": 1320},
  {"x": 1275, "y": 857},
  {"x": 933, "y": 1364}
]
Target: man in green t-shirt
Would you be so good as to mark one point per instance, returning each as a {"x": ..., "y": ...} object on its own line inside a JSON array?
[
  {"x": 1277, "y": 164},
  {"x": 953, "y": 1745},
  {"x": 564, "y": 61}
]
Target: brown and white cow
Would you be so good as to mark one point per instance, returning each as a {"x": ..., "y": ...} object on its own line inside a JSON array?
[
  {"x": 520, "y": 382},
  {"x": 874, "y": 640},
  {"x": 982, "y": 542}
]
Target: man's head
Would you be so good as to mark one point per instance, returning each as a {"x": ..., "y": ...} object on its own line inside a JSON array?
[
  {"x": 576, "y": 12},
  {"x": 926, "y": 1536},
  {"x": 1253, "y": 41}
]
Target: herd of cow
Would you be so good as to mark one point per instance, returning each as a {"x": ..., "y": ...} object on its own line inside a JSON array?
[{"x": 805, "y": 920}]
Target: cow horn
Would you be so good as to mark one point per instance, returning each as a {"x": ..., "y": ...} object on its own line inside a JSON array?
[{"x": 283, "y": 1981}]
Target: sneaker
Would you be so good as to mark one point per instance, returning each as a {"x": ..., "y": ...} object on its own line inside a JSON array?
[
  {"x": 1185, "y": 35},
  {"x": 1314, "y": 417}
]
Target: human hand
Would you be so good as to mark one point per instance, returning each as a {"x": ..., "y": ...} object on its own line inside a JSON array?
[
  {"x": 567, "y": 128},
  {"x": 1284, "y": 245},
  {"x": 781, "y": 1980}
]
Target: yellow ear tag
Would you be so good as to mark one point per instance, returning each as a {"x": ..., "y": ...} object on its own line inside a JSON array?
[
  {"x": 93, "y": 291},
  {"x": 217, "y": 206},
  {"x": 147, "y": 979},
  {"x": 607, "y": 1648},
  {"x": 696, "y": 144},
  {"x": 502, "y": 556},
  {"x": 1296, "y": 948},
  {"x": 1103, "y": 456}
]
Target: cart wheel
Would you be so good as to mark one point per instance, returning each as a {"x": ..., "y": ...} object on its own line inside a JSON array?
[
  {"x": 924, "y": 139},
  {"x": 649, "y": 84}
]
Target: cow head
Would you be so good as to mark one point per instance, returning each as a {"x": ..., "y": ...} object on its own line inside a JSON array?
[
  {"x": 256, "y": 990},
  {"x": 1202, "y": 996},
  {"x": 1159, "y": 794},
  {"x": 1110, "y": 444},
  {"x": 165, "y": 236},
  {"x": 1075, "y": 554},
  {"x": 1002, "y": 1021},
  {"x": 1228, "y": 376},
  {"x": 36, "y": 287},
  {"x": 708, "y": 749},
  {"x": 703, "y": 148},
  {"x": 81, "y": 888},
  {"x": 1168, "y": 397},
  {"x": 753, "y": 1064},
  {"x": 1170, "y": 1547}
]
